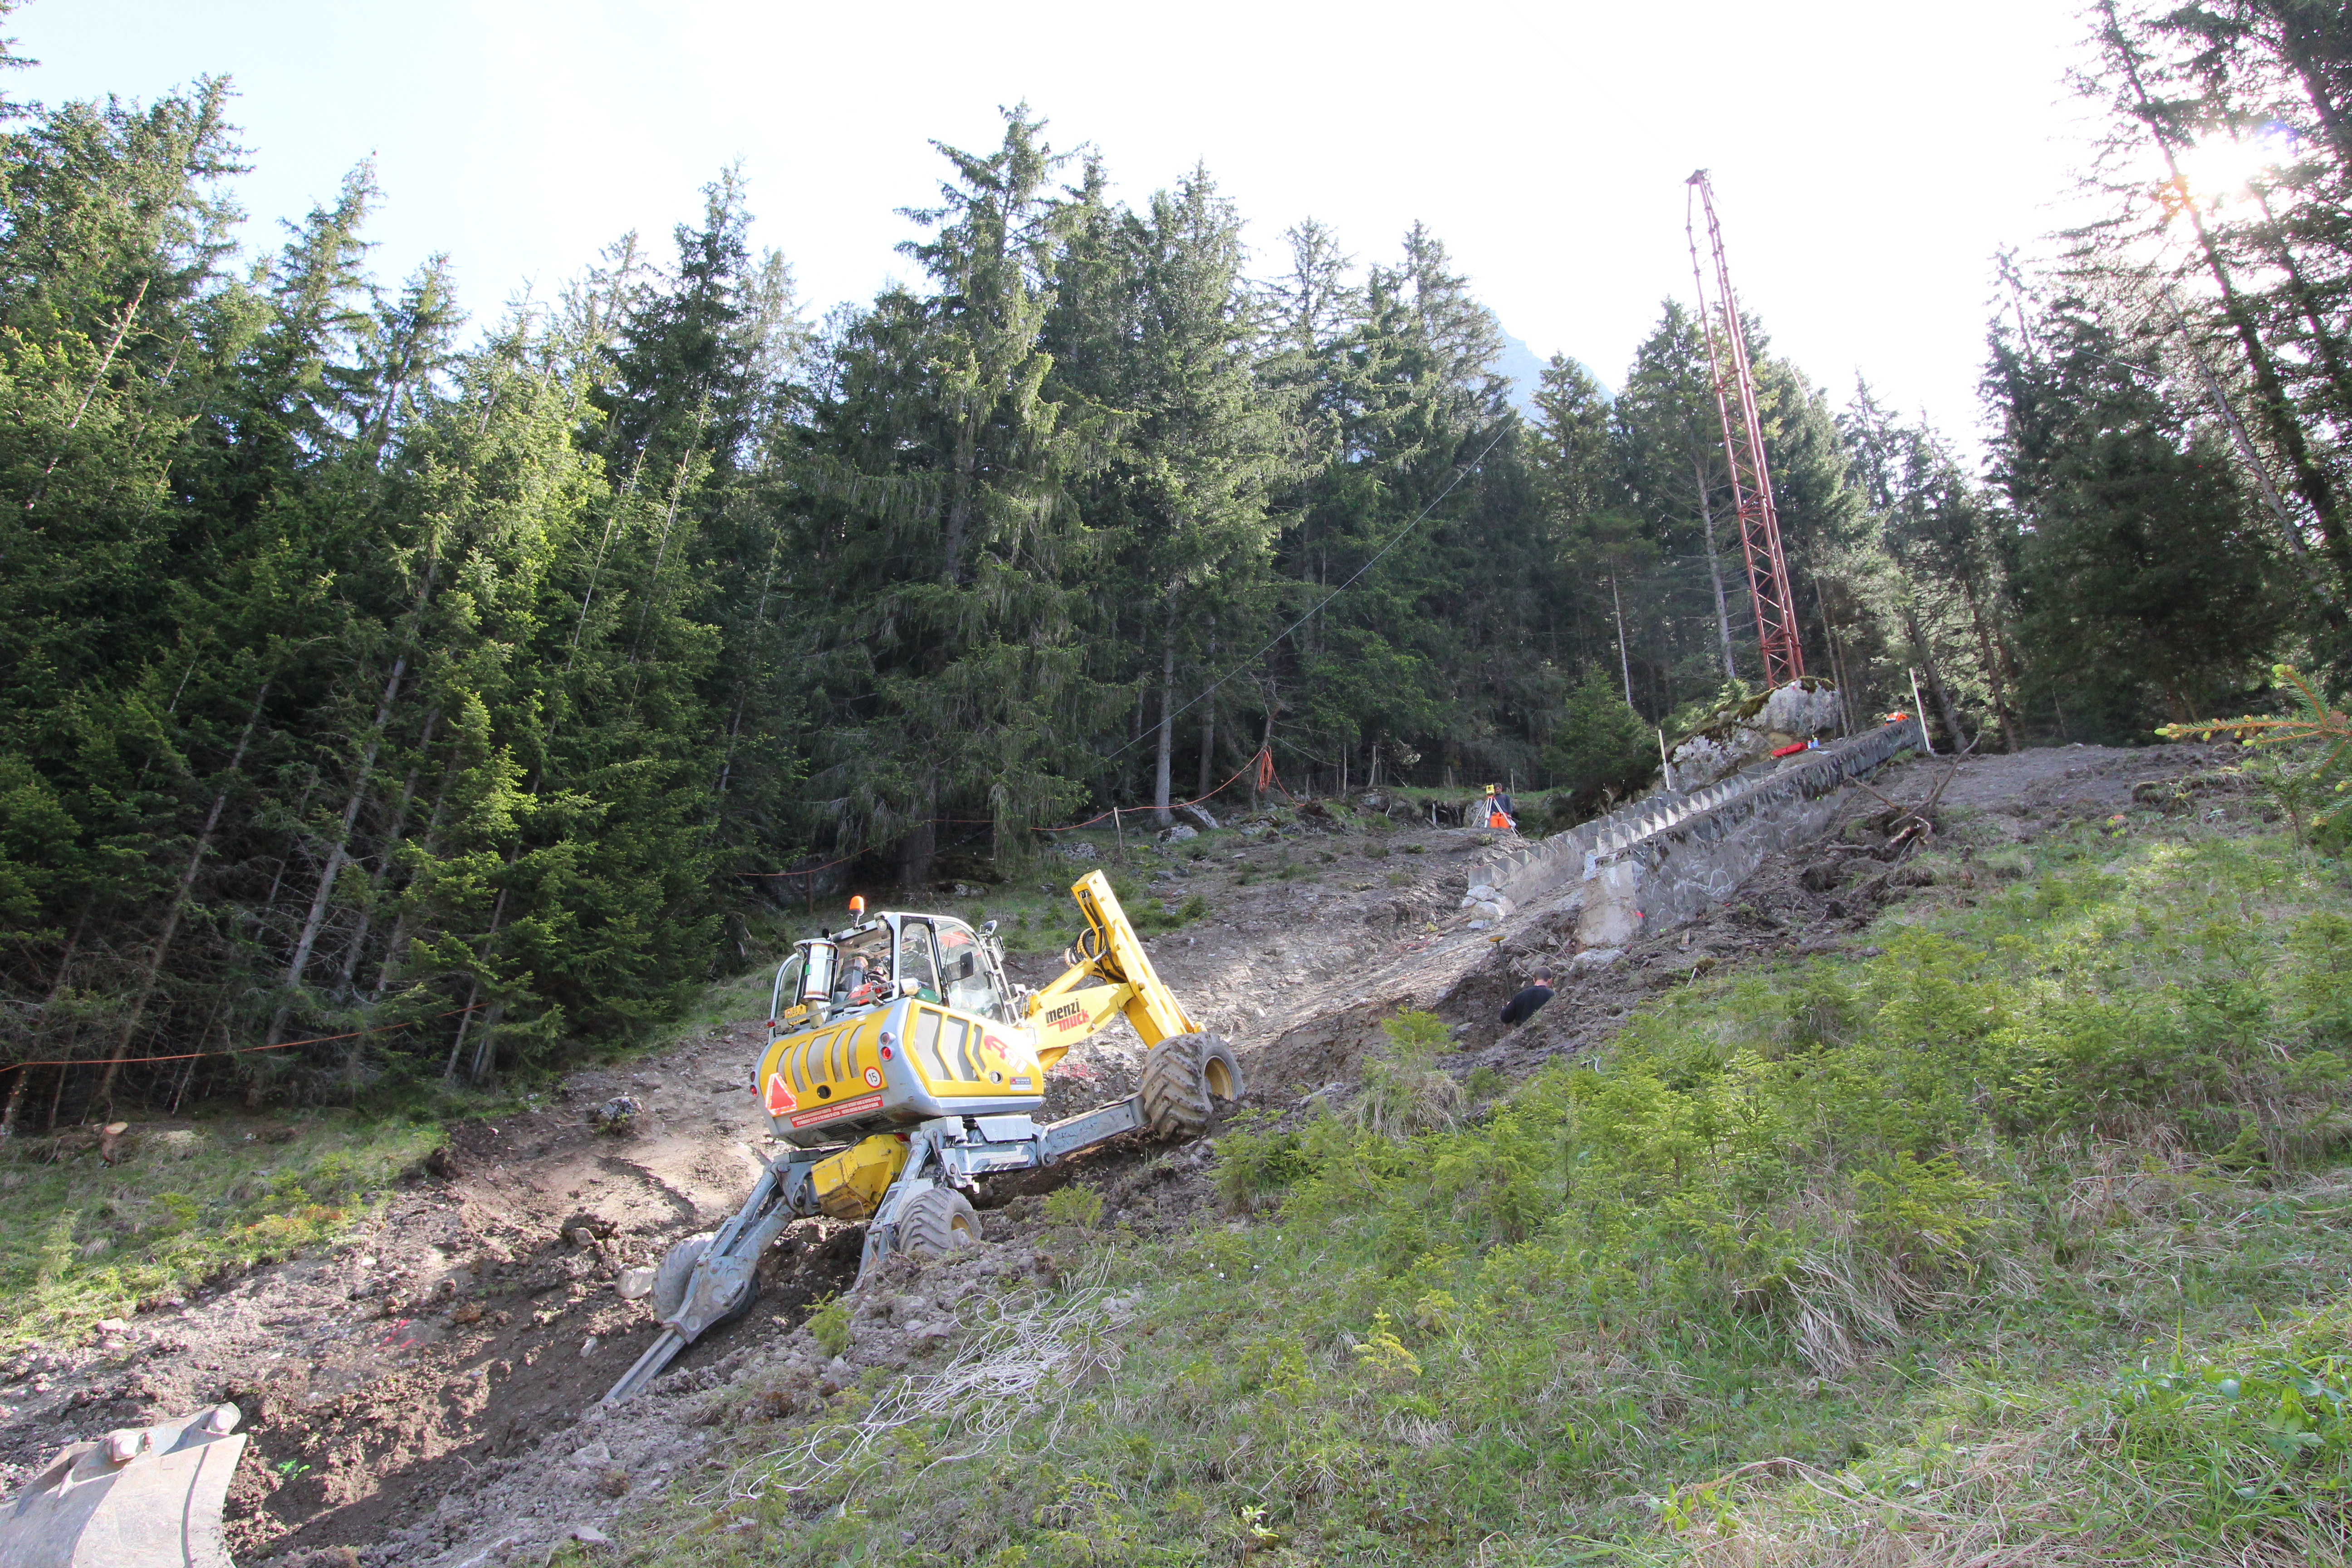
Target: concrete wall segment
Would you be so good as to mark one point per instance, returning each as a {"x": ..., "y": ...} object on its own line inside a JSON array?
[{"x": 1673, "y": 828}]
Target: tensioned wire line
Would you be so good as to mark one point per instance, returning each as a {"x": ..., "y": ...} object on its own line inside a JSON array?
[{"x": 1502, "y": 427}]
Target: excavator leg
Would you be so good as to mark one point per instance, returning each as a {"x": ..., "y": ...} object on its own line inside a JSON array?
[
  {"x": 922, "y": 1204},
  {"x": 725, "y": 1276},
  {"x": 920, "y": 1175}
]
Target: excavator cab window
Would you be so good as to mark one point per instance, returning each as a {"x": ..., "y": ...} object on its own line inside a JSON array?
[
  {"x": 862, "y": 975},
  {"x": 918, "y": 961},
  {"x": 972, "y": 980}
]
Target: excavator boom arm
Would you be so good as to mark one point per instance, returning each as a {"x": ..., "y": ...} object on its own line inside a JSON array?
[{"x": 1110, "y": 975}]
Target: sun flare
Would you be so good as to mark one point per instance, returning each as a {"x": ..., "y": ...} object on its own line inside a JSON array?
[{"x": 2221, "y": 168}]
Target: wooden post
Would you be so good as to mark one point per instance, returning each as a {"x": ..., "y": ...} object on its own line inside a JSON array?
[{"x": 1114, "y": 828}]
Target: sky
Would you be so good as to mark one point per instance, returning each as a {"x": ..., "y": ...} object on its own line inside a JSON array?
[{"x": 1868, "y": 158}]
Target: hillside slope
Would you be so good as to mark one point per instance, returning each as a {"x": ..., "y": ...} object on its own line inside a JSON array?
[
  {"x": 1407, "y": 1329},
  {"x": 2013, "y": 1233}
]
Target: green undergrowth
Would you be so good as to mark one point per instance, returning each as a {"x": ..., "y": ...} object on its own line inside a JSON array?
[
  {"x": 1048, "y": 921},
  {"x": 83, "y": 1240},
  {"x": 2031, "y": 1227}
]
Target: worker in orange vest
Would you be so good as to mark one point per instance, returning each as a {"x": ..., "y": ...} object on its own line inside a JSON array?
[{"x": 1499, "y": 812}]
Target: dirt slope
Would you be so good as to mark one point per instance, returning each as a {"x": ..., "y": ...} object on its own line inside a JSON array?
[{"x": 416, "y": 1394}]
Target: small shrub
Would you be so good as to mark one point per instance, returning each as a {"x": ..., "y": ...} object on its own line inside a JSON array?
[
  {"x": 1399, "y": 878},
  {"x": 1080, "y": 1207},
  {"x": 1194, "y": 908},
  {"x": 1403, "y": 1093},
  {"x": 1822, "y": 1010},
  {"x": 1417, "y": 1032},
  {"x": 1376, "y": 851},
  {"x": 1415, "y": 848},
  {"x": 1253, "y": 1168},
  {"x": 1383, "y": 1355},
  {"x": 828, "y": 1325},
  {"x": 1924, "y": 1215}
]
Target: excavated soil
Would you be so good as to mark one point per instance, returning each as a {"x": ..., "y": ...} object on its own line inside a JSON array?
[{"x": 416, "y": 1394}]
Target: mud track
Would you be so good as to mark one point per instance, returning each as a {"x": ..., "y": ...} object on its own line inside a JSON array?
[{"x": 416, "y": 1394}]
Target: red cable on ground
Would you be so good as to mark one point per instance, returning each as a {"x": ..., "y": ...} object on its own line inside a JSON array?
[{"x": 241, "y": 1050}]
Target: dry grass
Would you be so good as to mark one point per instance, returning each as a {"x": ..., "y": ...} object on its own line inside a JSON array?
[{"x": 1020, "y": 1358}]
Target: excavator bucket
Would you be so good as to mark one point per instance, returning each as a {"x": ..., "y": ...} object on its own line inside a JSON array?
[{"x": 145, "y": 1497}]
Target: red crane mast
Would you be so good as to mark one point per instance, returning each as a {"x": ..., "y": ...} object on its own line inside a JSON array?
[{"x": 1743, "y": 446}]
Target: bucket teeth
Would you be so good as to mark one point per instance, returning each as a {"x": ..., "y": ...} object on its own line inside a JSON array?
[{"x": 140, "y": 1497}]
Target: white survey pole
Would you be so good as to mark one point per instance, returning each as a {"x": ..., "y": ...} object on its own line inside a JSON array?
[{"x": 1919, "y": 712}]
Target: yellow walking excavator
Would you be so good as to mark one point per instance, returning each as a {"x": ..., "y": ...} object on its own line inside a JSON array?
[{"x": 902, "y": 1066}]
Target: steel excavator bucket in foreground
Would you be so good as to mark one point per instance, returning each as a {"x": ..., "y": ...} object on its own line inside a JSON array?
[{"x": 145, "y": 1496}]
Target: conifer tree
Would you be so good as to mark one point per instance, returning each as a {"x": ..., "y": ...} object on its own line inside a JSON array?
[
  {"x": 943, "y": 531},
  {"x": 2142, "y": 575}
]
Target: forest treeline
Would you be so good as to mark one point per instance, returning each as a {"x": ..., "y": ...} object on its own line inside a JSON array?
[{"x": 458, "y": 691}]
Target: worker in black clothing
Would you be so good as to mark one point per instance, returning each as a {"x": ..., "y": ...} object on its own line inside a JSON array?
[{"x": 1523, "y": 1006}]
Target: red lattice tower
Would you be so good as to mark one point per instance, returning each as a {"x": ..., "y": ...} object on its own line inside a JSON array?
[{"x": 1743, "y": 444}]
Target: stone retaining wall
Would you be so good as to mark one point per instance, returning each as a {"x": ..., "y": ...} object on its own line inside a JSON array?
[{"x": 1662, "y": 859}]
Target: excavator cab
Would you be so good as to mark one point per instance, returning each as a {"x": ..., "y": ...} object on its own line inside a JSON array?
[
  {"x": 898, "y": 1019},
  {"x": 946, "y": 960}
]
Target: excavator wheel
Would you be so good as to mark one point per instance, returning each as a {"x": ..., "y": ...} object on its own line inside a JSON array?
[
  {"x": 676, "y": 1266},
  {"x": 936, "y": 1222},
  {"x": 676, "y": 1272},
  {"x": 1219, "y": 1068},
  {"x": 1179, "y": 1076}
]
